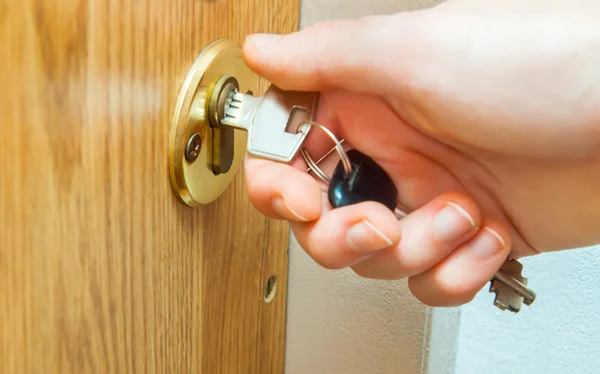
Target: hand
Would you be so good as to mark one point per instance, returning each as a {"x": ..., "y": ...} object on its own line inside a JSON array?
[{"x": 485, "y": 114}]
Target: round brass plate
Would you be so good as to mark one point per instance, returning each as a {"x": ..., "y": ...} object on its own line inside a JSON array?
[{"x": 195, "y": 183}]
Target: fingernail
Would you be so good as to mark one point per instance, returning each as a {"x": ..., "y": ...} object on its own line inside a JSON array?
[
  {"x": 283, "y": 209},
  {"x": 452, "y": 222},
  {"x": 261, "y": 40},
  {"x": 363, "y": 236},
  {"x": 488, "y": 243}
]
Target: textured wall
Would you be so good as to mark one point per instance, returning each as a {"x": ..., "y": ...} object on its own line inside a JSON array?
[
  {"x": 558, "y": 334},
  {"x": 337, "y": 322}
]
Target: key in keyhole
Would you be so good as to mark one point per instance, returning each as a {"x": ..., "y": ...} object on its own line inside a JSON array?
[{"x": 223, "y": 139}]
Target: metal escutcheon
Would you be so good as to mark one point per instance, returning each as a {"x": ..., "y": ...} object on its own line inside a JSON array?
[{"x": 204, "y": 157}]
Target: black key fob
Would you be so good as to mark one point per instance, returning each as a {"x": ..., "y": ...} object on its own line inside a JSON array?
[{"x": 367, "y": 182}]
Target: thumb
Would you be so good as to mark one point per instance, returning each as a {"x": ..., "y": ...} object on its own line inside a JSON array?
[{"x": 362, "y": 55}]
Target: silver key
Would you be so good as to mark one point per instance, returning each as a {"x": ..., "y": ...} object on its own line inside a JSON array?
[
  {"x": 270, "y": 121},
  {"x": 510, "y": 287}
]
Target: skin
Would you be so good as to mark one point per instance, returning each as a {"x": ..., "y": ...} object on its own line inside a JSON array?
[{"x": 486, "y": 114}]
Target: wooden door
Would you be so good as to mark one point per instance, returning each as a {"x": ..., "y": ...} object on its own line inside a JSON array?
[{"x": 102, "y": 270}]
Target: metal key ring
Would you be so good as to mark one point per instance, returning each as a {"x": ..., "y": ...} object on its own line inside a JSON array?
[{"x": 312, "y": 165}]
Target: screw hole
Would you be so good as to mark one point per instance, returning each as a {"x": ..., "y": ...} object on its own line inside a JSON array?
[
  {"x": 193, "y": 147},
  {"x": 270, "y": 289}
]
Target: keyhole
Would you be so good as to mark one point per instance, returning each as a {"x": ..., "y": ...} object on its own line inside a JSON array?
[
  {"x": 223, "y": 139},
  {"x": 270, "y": 289}
]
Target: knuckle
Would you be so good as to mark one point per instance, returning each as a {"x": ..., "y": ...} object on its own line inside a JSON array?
[
  {"x": 318, "y": 252},
  {"x": 445, "y": 294},
  {"x": 457, "y": 293},
  {"x": 323, "y": 260},
  {"x": 324, "y": 64},
  {"x": 328, "y": 264},
  {"x": 320, "y": 40}
]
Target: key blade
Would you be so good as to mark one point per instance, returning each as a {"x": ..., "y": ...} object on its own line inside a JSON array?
[{"x": 239, "y": 110}]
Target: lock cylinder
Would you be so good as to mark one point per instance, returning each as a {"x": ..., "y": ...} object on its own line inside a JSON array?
[{"x": 222, "y": 136}]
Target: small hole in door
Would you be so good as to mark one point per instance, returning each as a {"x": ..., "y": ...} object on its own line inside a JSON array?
[{"x": 270, "y": 289}]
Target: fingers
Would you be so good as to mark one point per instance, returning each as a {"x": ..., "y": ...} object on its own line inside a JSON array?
[
  {"x": 443, "y": 248},
  {"x": 332, "y": 54},
  {"x": 282, "y": 192},
  {"x": 457, "y": 279},
  {"x": 429, "y": 234},
  {"x": 344, "y": 236}
]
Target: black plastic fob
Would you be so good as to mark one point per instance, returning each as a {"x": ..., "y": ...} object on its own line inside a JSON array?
[{"x": 367, "y": 182}]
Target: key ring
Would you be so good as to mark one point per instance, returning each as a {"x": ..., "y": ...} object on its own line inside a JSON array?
[
  {"x": 400, "y": 210},
  {"x": 312, "y": 165}
]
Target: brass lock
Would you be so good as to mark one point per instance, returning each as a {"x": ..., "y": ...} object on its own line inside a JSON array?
[{"x": 204, "y": 156}]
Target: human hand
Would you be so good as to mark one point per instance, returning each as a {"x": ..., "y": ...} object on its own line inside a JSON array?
[{"x": 485, "y": 114}]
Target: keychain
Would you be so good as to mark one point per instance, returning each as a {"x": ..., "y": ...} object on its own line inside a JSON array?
[{"x": 358, "y": 178}]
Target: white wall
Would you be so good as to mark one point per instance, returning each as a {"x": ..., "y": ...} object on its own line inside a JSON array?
[{"x": 558, "y": 334}]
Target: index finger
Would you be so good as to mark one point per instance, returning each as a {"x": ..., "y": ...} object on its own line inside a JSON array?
[{"x": 282, "y": 191}]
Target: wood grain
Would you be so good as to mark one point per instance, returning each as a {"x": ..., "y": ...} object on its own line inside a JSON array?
[{"x": 102, "y": 270}]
